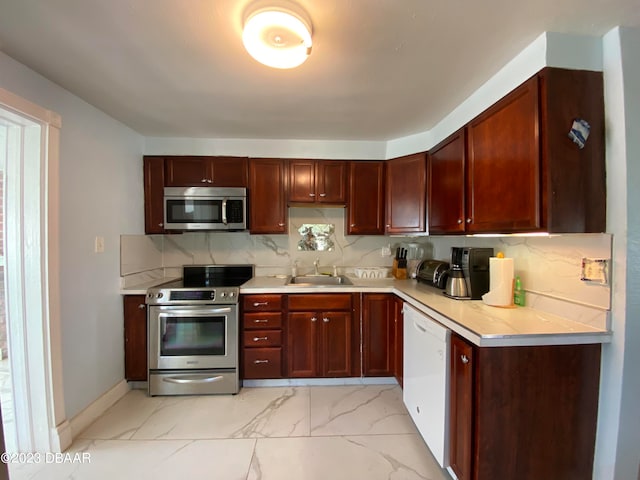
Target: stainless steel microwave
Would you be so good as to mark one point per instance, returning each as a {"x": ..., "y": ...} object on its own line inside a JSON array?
[{"x": 205, "y": 208}]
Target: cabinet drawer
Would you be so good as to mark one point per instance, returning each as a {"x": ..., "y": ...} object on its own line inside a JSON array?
[
  {"x": 263, "y": 363},
  {"x": 263, "y": 338},
  {"x": 262, "y": 303},
  {"x": 315, "y": 301},
  {"x": 262, "y": 320}
]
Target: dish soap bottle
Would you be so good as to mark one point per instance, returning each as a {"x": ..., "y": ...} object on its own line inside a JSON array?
[{"x": 518, "y": 293}]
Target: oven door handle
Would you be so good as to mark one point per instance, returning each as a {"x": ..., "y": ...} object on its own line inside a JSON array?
[
  {"x": 194, "y": 313},
  {"x": 183, "y": 380}
]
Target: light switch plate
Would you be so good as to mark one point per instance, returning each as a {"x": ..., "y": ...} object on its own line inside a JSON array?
[
  {"x": 99, "y": 245},
  {"x": 595, "y": 270}
]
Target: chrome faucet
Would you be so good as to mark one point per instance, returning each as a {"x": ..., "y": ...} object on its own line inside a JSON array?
[{"x": 316, "y": 262}]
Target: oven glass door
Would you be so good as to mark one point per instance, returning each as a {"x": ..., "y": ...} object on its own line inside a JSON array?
[{"x": 182, "y": 337}]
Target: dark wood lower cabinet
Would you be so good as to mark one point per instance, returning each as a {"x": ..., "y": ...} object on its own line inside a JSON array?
[
  {"x": 378, "y": 335},
  {"x": 523, "y": 412},
  {"x": 135, "y": 338},
  {"x": 262, "y": 337},
  {"x": 322, "y": 335}
]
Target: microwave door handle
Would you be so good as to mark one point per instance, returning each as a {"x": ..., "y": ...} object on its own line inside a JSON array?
[{"x": 224, "y": 210}]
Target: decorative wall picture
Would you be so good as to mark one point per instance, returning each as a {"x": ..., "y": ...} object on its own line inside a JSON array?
[{"x": 316, "y": 237}]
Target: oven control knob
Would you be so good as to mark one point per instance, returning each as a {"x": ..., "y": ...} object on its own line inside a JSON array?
[
  {"x": 223, "y": 294},
  {"x": 159, "y": 295},
  {"x": 232, "y": 294}
]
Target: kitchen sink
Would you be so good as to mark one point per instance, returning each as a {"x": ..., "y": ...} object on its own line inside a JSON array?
[{"x": 318, "y": 281}]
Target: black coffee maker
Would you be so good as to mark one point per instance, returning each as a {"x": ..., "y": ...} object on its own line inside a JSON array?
[{"x": 472, "y": 265}]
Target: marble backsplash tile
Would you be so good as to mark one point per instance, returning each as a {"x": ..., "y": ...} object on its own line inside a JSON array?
[{"x": 548, "y": 266}]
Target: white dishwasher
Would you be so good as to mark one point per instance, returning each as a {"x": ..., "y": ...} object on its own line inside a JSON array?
[{"x": 426, "y": 379}]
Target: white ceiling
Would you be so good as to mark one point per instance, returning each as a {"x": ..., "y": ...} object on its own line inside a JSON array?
[{"x": 380, "y": 69}]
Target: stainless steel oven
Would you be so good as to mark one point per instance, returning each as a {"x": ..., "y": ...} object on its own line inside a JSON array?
[{"x": 193, "y": 332}]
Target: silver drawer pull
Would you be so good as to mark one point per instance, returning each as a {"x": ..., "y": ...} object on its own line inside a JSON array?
[
  {"x": 260, "y": 320},
  {"x": 325, "y": 320},
  {"x": 464, "y": 359},
  {"x": 260, "y": 361},
  {"x": 314, "y": 319},
  {"x": 141, "y": 306},
  {"x": 312, "y": 194},
  {"x": 186, "y": 379},
  {"x": 323, "y": 194},
  {"x": 260, "y": 304},
  {"x": 257, "y": 339}
]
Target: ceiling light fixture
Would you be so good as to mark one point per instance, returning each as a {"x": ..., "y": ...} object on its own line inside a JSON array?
[{"x": 279, "y": 36}]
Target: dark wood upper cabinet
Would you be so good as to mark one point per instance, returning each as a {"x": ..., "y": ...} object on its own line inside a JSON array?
[
  {"x": 317, "y": 181},
  {"x": 445, "y": 185},
  {"x": 406, "y": 197},
  {"x": 365, "y": 208},
  {"x": 153, "y": 195},
  {"x": 206, "y": 171},
  {"x": 267, "y": 196},
  {"x": 503, "y": 165},
  {"x": 523, "y": 172}
]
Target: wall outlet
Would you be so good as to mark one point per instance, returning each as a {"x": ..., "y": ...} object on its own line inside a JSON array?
[
  {"x": 386, "y": 251},
  {"x": 99, "y": 245},
  {"x": 595, "y": 270}
]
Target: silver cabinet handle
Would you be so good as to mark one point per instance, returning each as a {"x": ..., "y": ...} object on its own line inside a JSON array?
[
  {"x": 257, "y": 339},
  {"x": 388, "y": 225},
  {"x": 468, "y": 220},
  {"x": 161, "y": 224},
  {"x": 261, "y": 320},
  {"x": 281, "y": 224},
  {"x": 459, "y": 221},
  {"x": 323, "y": 194},
  {"x": 314, "y": 319},
  {"x": 260, "y": 304},
  {"x": 325, "y": 320},
  {"x": 353, "y": 225},
  {"x": 209, "y": 180},
  {"x": 312, "y": 194},
  {"x": 260, "y": 361},
  {"x": 464, "y": 359},
  {"x": 204, "y": 180},
  {"x": 141, "y": 306}
]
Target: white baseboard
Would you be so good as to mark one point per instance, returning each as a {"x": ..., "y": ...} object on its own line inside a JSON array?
[
  {"x": 61, "y": 438},
  {"x": 320, "y": 382},
  {"x": 90, "y": 414}
]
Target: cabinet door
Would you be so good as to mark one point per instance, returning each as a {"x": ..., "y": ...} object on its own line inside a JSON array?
[
  {"x": 267, "y": 201},
  {"x": 302, "y": 181},
  {"x": 335, "y": 345},
  {"x": 229, "y": 172},
  {"x": 188, "y": 171},
  {"x": 365, "y": 208},
  {"x": 302, "y": 356},
  {"x": 503, "y": 176},
  {"x": 445, "y": 185},
  {"x": 153, "y": 195},
  {"x": 378, "y": 329},
  {"x": 406, "y": 198},
  {"x": 135, "y": 338},
  {"x": 399, "y": 335},
  {"x": 461, "y": 407},
  {"x": 331, "y": 181}
]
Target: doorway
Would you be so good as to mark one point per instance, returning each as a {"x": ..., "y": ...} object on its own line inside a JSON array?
[{"x": 31, "y": 373}]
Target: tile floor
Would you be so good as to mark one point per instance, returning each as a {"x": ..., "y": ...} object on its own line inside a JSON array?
[{"x": 275, "y": 433}]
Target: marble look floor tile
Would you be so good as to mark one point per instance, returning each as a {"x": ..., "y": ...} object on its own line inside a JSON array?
[
  {"x": 375, "y": 457},
  {"x": 122, "y": 419},
  {"x": 359, "y": 410},
  {"x": 152, "y": 460},
  {"x": 253, "y": 413}
]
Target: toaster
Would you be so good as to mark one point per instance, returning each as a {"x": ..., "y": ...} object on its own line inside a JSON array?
[{"x": 433, "y": 272}]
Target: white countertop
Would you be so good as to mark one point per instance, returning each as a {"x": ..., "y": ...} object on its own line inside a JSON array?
[{"x": 481, "y": 324}]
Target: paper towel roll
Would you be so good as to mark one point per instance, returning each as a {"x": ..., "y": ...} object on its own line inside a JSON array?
[{"x": 500, "y": 292}]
